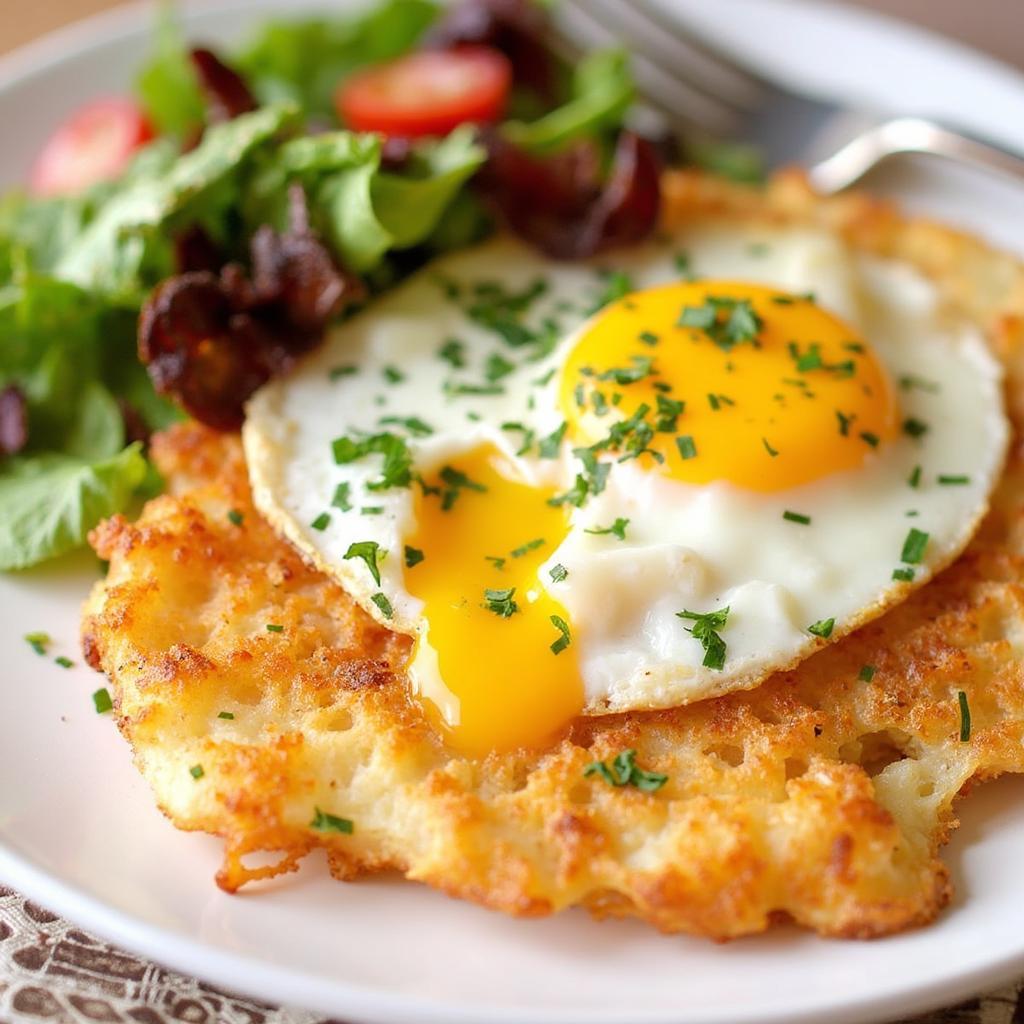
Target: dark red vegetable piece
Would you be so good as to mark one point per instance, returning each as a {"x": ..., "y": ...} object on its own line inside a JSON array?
[
  {"x": 561, "y": 204},
  {"x": 13, "y": 420},
  {"x": 195, "y": 250},
  {"x": 211, "y": 340},
  {"x": 227, "y": 95},
  {"x": 518, "y": 28}
]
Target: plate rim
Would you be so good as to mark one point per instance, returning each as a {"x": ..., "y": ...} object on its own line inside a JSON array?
[{"x": 258, "y": 977}]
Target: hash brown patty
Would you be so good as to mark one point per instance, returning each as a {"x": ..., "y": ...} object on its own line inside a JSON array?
[{"x": 820, "y": 796}]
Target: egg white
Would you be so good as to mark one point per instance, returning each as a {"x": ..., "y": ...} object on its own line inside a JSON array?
[{"x": 688, "y": 547}]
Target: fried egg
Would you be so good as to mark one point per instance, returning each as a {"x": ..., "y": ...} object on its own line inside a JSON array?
[{"x": 634, "y": 484}]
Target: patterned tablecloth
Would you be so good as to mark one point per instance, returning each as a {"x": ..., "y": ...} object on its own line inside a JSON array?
[{"x": 54, "y": 972}]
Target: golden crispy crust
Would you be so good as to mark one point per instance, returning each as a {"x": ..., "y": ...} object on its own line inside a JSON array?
[{"x": 818, "y": 796}]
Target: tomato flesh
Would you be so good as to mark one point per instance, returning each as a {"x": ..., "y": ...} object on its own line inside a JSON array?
[
  {"x": 94, "y": 144},
  {"x": 427, "y": 93}
]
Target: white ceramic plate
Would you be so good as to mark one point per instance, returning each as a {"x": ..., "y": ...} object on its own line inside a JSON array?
[{"x": 79, "y": 832}]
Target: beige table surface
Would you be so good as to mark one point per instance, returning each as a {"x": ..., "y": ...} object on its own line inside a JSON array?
[{"x": 51, "y": 971}]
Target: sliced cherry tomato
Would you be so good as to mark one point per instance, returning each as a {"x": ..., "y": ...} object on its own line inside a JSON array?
[
  {"x": 427, "y": 93},
  {"x": 94, "y": 144}
]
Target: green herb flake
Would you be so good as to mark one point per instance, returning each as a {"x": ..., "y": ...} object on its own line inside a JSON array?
[
  {"x": 39, "y": 642},
  {"x": 368, "y": 551},
  {"x": 393, "y": 375},
  {"x": 530, "y": 545},
  {"x": 687, "y": 447},
  {"x": 773, "y": 452},
  {"x": 396, "y": 470},
  {"x": 965, "y": 716},
  {"x": 622, "y": 770},
  {"x": 337, "y": 372},
  {"x": 101, "y": 701},
  {"x": 64, "y": 662},
  {"x": 497, "y": 366},
  {"x": 904, "y": 575},
  {"x": 196, "y": 771},
  {"x": 548, "y": 447},
  {"x": 869, "y": 439},
  {"x": 501, "y": 602},
  {"x": 341, "y": 497},
  {"x": 914, "y": 546},
  {"x": 558, "y": 573},
  {"x": 413, "y": 556},
  {"x": 453, "y": 352},
  {"x": 953, "y": 481},
  {"x": 705, "y": 629},
  {"x": 909, "y": 382},
  {"x": 227, "y": 716},
  {"x": 415, "y": 426},
  {"x": 324, "y": 822},
  {"x": 618, "y": 529},
  {"x": 321, "y": 522},
  {"x": 565, "y": 638},
  {"x": 649, "y": 338},
  {"x": 914, "y": 428},
  {"x": 914, "y": 480},
  {"x": 235, "y": 517},
  {"x": 273, "y": 627},
  {"x": 822, "y": 628},
  {"x": 796, "y": 517},
  {"x": 844, "y": 423},
  {"x": 456, "y": 482},
  {"x": 866, "y": 673},
  {"x": 383, "y": 604}
]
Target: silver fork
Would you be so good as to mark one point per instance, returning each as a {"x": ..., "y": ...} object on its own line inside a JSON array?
[{"x": 701, "y": 94}]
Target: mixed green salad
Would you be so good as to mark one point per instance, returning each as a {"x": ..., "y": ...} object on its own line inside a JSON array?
[{"x": 406, "y": 131}]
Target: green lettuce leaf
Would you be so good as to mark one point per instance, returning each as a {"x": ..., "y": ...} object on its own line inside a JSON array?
[
  {"x": 602, "y": 91},
  {"x": 51, "y": 501}
]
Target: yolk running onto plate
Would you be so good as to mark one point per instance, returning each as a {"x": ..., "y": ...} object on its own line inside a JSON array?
[
  {"x": 728, "y": 381},
  {"x": 509, "y": 677}
]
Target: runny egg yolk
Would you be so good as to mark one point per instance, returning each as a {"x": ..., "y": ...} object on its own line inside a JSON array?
[
  {"x": 509, "y": 676},
  {"x": 719, "y": 380}
]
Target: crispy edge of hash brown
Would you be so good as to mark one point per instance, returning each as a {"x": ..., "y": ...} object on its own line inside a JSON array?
[{"x": 819, "y": 796}]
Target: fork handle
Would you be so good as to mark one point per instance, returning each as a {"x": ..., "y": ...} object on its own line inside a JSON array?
[{"x": 910, "y": 135}]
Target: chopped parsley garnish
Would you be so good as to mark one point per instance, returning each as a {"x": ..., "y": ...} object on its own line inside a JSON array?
[
  {"x": 324, "y": 822},
  {"x": 669, "y": 411},
  {"x": 868, "y": 438},
  {"x": 908, "y": 382},
  {"x": 547, "y": 447},
  {"x": 686, "y": 446},
  {"x": 228, "y": 716},
  {"x": 530, "y": 545},
  {"x": 915, "y": 477},
  {"x": 496, "y": 560},
  {"x": 914, "y": 546},
  {"x": 453, "y": 352},
  {"x": 501, "y": 602},
  {"x": 822, "y": 628},
  {"x": 914, "y": 427},
  {"x": 682, "y": 262},
  {"x": 705, "y": 629},
  {"x": 623, "y": 375},
  {"x": 273, "y": 627},
  {"x": 528, "y": 436},
  {"x": 622, "y": 770},
  {"x": 235, "y": 517},
  {"x": 812, "y": 360},
  {"x": 866, "y": 673},
  {"x": 717, "y": 401},
  {"x": 196, "y": 771},
  {"x": 796, "y": 517},
  {"x": 413, "y": 424},
  {"x": 64, "y": 662},
  {"x": 727, "y": 322},
  {"x": 618, "y": 528},
  {"x": 497, "y": 366},
  {"x": 322, "y": 521},
  {"x": 844, "y": 423},
  {"x": 904, "y": 575},
  {"x": 649, "y": 337},
  {"x": 397, "y": 468},
  {"x": 341, "y": 496},
  {"x": 965, "y": 716},
  {"x": 953, "y": 481},
  {"x": 456, "y": 482},
  {"x": 383, "y": 604},
  {"x": 371, "y": 510},
  {"x": 576, "y": 495},
  {"x": 617, "y": 286},
  {"x": 768, "y": 448},
  {"x": 558, "y": 573},
  {"x": 38, "y": 642},
  {"x": 368, "y": 551},
  {"x": 101, "y": 701},
  {"x": 393, "y": 375},
  {"x": 413, "y": 556},
  {"x": 337, "y": 372},
  {"x": 482, "y": 390},
  {"x": 565, "y": 638}
]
